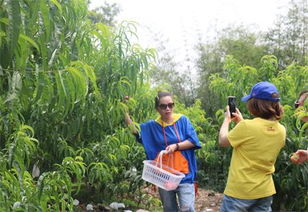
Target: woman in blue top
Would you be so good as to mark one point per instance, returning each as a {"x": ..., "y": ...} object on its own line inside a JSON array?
[{"x": 171, "y": 132}]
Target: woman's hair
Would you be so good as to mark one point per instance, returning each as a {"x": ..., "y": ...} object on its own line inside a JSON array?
[
  {"x": 161, "y": 94},
  {"x": 265, "y": 109}
]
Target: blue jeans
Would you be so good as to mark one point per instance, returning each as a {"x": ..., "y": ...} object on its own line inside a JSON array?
[
  {"x": 186, "y": 196},
  {"x": 231, "y": 204}
]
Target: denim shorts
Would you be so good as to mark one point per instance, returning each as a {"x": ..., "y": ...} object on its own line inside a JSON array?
[
  {"x": 185, "y": 193},
  {"x": 231, "y": 204}
]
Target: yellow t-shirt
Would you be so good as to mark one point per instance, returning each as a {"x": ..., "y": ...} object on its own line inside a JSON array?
[{"x": 256, "y": 144}]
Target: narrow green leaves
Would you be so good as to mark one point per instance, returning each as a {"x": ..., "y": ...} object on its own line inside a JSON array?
[
  {"x": 13, "y": 30},
  {"x": 30, "y": 41}
]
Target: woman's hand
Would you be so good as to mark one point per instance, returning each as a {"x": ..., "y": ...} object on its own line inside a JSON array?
[
  {"x": 237, "y": 116},
  {"x": 300, "y": 156},
  {"x": 172, "y": 148}
]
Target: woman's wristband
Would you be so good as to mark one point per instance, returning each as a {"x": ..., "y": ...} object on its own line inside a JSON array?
[{"x": 177, "y": 147}]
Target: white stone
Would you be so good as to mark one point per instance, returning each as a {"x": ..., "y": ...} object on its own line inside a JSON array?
[
  {"x": 16, "y": 205},
  {"x": 89, "y": 207},
  {"x": 116, "y": 205},
  {"x": 76, "y": 202}
]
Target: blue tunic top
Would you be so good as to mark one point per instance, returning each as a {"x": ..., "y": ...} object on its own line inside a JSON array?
[{"x": 152, "y": 139}]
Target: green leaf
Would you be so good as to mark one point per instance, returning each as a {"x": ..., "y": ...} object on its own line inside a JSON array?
[
  {"x": 14, "y": 26},
  {"x": 58, "y": 5},
  {"x": 4, "y": 20},
  {"x": 29, "y": 40}
]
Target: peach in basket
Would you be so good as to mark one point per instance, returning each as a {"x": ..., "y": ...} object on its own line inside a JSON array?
[{"x": 170, "y": 185}]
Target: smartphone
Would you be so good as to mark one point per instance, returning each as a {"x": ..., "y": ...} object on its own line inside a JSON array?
[{"x": 232, "y": 105}]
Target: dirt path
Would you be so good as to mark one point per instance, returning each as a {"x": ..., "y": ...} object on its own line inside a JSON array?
[{"x": 206, "y": 200}]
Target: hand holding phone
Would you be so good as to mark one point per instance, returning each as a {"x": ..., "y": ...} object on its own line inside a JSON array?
[{"x": 232, "y": 105}]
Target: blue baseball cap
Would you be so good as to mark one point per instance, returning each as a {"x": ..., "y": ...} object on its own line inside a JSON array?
[{"x": 263, "y": 90}]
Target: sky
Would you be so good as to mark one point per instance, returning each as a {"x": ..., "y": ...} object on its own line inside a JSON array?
[{"x": 181, "y": 24}]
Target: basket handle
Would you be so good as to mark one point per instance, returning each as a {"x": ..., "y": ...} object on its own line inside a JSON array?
[{"x": 160, "y": 158}]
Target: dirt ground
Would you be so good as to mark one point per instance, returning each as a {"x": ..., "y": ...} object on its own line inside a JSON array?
[{"x": 206, "y": 200}]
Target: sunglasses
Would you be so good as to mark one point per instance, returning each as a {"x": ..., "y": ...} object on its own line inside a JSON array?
[{"x": 164, "y": 106}]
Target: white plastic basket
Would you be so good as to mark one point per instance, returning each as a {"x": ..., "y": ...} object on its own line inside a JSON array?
[{"x": 160, "y": 175}]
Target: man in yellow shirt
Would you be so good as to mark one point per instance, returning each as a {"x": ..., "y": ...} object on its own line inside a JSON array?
[{"x": 256, "y": 144}]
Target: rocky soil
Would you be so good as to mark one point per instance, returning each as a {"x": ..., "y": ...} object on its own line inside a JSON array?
[{"x": 206, "y": 201}]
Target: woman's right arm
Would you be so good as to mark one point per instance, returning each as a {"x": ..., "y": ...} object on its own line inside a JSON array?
[
  {"x": 130, "y": 123},
  {"x": 224, "y": 129},
  {"x": 128, "y": 120}
]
